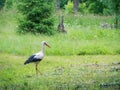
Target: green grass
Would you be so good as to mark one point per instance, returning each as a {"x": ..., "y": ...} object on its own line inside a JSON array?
[
  {"x": 81, "y": 39},
  {"x": 83, "y": 42},
  {"x": 61, "y": 73}
]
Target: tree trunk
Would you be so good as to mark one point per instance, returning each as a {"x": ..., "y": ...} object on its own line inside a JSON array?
[
  {"x": 117, "y": 6},
  {"x": 116, "y": 22},
  {"x": 75, "y": 4},
  {"x": 57, "y": 4}
]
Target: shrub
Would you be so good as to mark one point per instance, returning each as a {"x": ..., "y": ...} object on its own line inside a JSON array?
[
  {"x": 9, "y": 4},
  {"x": 82, "y": 8},
  {"x": 69, "y": 7},
  {"x": 36, "y": 16},
  {"x": 2, "y": 2},
  {"x": 63, "y": 3}
]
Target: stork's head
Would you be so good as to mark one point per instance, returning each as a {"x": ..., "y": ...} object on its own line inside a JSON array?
[{"x": 45, "y": 43}]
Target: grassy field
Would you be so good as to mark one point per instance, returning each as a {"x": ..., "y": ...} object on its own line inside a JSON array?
[
  {"x": 84, "y": 37},
  {"x": 89, "y": 72},
  {"x": 87, "y": 57}
]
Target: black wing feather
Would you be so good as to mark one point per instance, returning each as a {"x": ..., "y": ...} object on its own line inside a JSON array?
[{"x": 31, "y": 59}]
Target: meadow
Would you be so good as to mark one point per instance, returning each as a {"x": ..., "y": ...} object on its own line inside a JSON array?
[
  {"x": 84, "y": 37},
  {"x": 86, "y": 58},
  {"x": 91, "y": 72}
]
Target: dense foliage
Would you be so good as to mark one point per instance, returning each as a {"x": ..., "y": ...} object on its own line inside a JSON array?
[
  {"x": 63, "y": 3},
  {"x": 2, "y": 2},
  {"x": 36, "y": 16},
  {"x": 114, "y": 6},
  {"x": 95, "y": 6}
]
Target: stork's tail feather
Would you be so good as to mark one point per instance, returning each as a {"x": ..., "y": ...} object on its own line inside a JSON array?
[{"x": 26, "y": 62}]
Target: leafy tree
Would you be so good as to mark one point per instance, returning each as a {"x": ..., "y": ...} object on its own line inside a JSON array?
[
  {"x": 74, "y": 7},
  {"x": 2, "y": 2},
  {"x": 9, "y": 4},
  {"x": 36, "y": 16},
  {"x": 61, "y": 4},
  {"x": 114, "y": 5},
  {"x": 69, "y": 7},
  {"x": 95, "y": 6}
]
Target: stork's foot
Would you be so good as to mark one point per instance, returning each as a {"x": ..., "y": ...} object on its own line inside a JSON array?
[
  {"x": 38, "y": 72},
  {"x": 28, "y": 76}
]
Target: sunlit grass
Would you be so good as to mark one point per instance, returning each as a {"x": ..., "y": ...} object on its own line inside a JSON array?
[
  {"x": 60, "y": 72},
  {"x": 73, "y": 43},
  {"x": 81, "y": 39}
]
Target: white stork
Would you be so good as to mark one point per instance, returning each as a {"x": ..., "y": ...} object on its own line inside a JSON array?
[{"x": 36, "y": 58}]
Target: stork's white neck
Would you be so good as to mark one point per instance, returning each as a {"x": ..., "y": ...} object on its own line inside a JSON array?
[{"x": 43, "y": 46}]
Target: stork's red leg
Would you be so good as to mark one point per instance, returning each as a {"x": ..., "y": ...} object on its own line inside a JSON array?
[{"x": 37, "y": 69}]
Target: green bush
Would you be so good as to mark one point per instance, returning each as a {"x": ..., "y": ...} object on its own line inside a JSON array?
[
  {"x": 107, "y": 11},
  {"x": 36, "y": 16},
  {"x": 95, "y": 6},
  {"x": 2, "y": 2},
  {"x": 63, "y": 3},
  {"x": 9, "y": 4},
  {"x": 82, "y": 8},
  {"x": 69, "y": 7}
]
